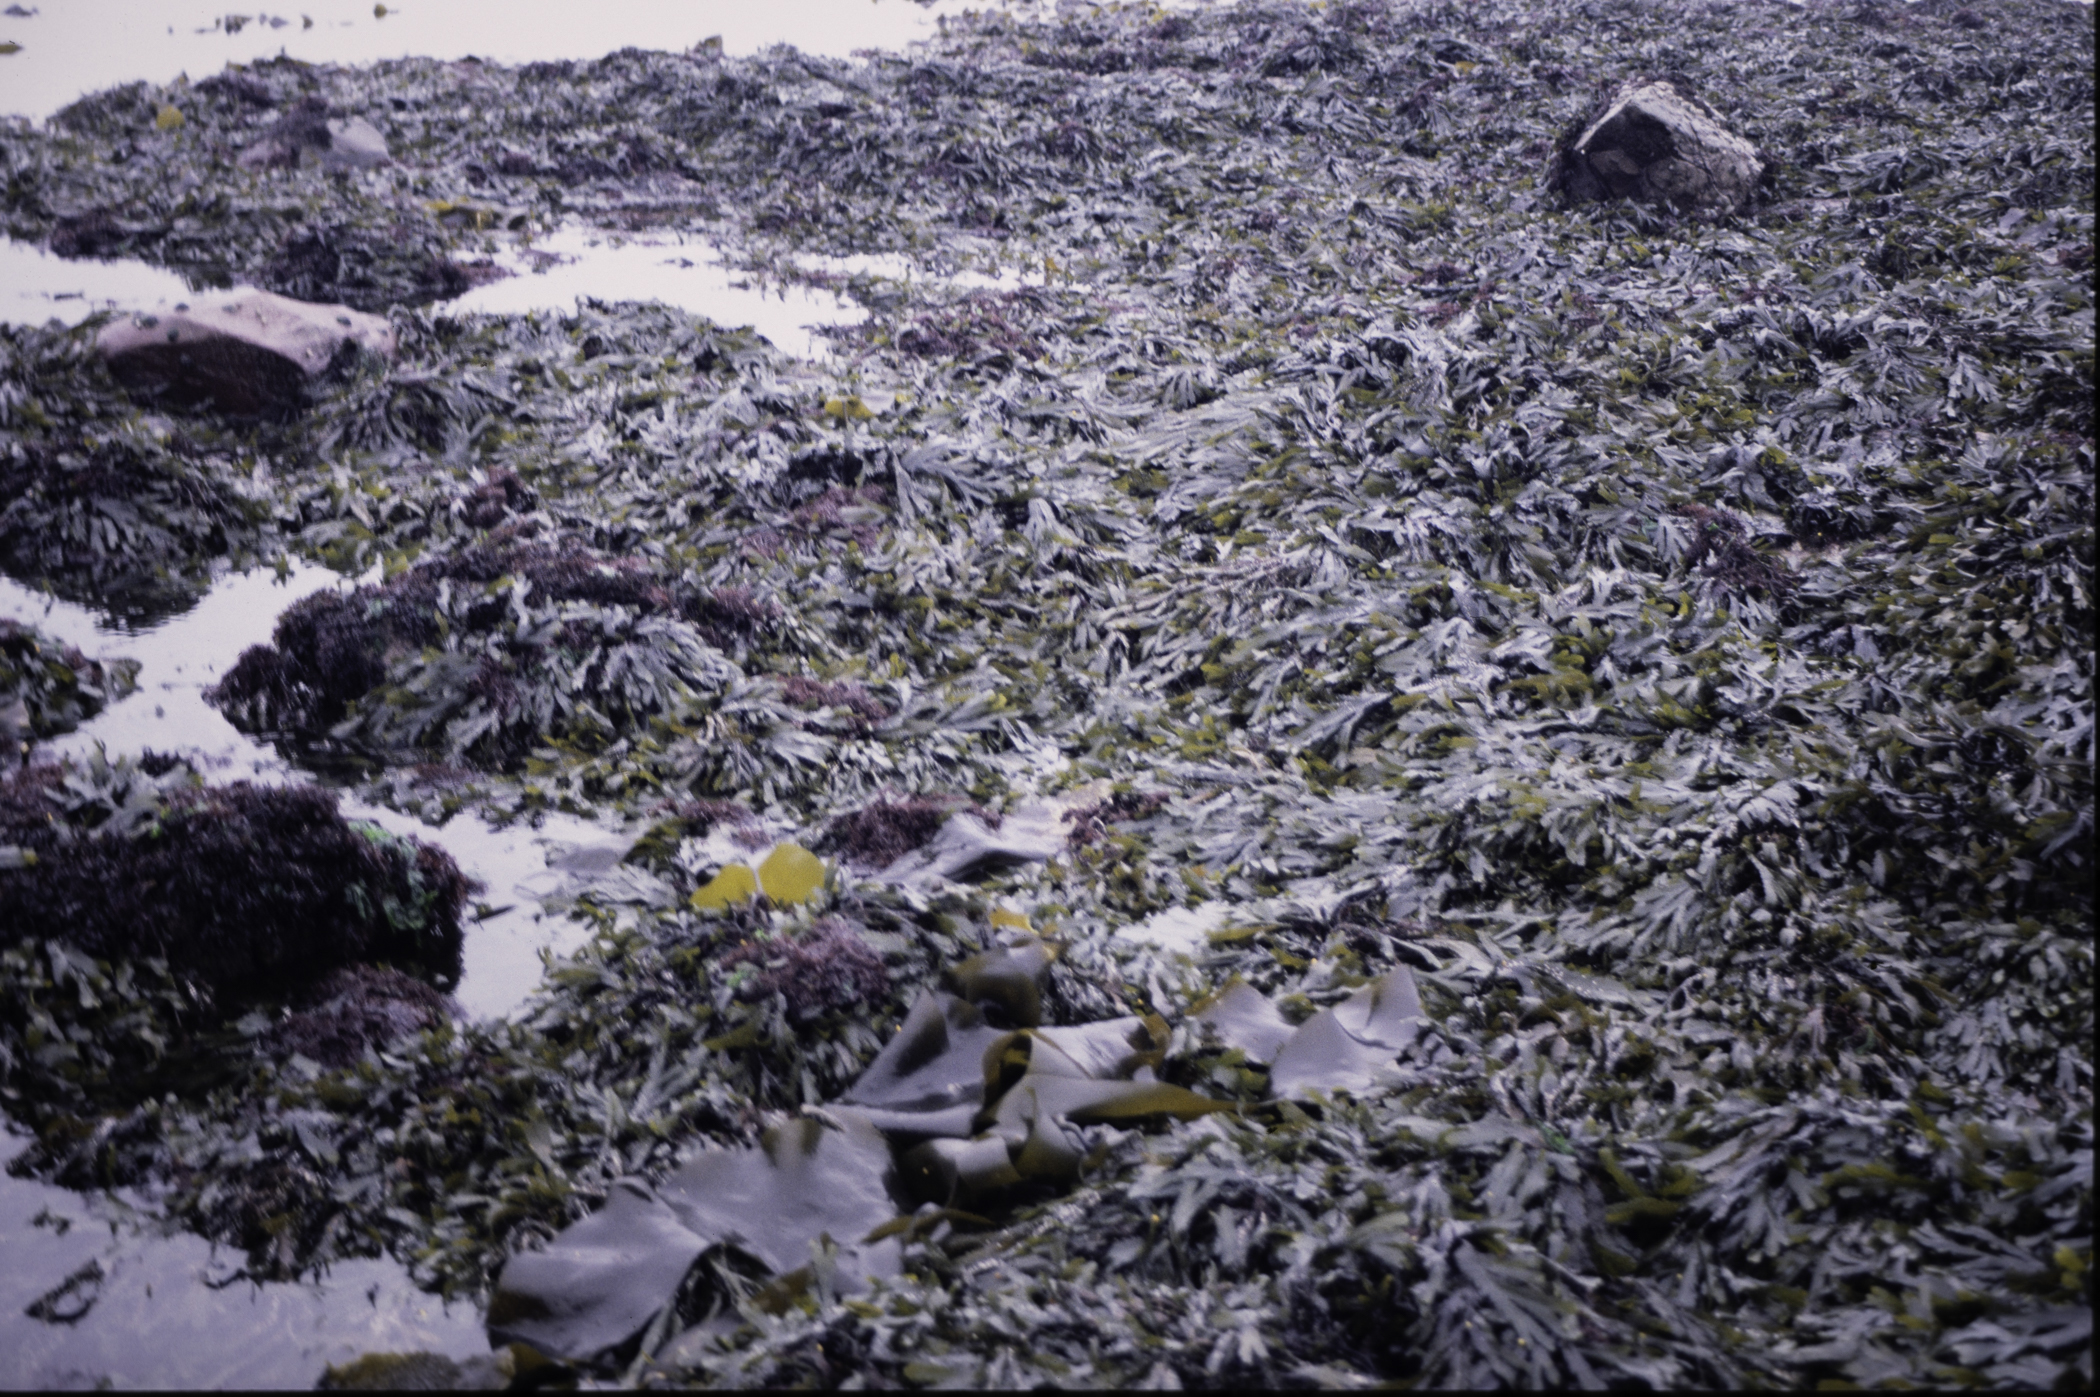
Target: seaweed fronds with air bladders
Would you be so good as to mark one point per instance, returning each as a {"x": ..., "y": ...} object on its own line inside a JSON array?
[{"x": 1668, "y": 640}]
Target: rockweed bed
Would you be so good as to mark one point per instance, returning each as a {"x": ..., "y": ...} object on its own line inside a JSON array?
[{"x": 1672, "y": 639}]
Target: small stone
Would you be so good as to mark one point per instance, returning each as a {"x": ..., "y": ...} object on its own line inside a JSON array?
[
  {"x": 354, "y": 144},
  {"x": 256, "y": 352},
  {"x": 1654, "y": 141},
  {"x": 307, "y": 134}
]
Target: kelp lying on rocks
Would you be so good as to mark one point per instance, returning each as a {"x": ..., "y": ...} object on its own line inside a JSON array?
[
  {"x": 1668, "y": 640},
  {"x": 971, "y": 1099}
]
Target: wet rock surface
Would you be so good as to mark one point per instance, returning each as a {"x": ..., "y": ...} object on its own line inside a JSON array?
[
  {"x": 245, "y": 352},
  {"x": 1656, "y": 140},
  {"x": 310, "y": 134}
]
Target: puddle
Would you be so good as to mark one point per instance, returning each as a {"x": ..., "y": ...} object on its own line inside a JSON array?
[
  {"x": 74, "y": 46},
  {"x": 522, "y": 869},
  {"x": 150, "y": 1310},
  {"x": 36, "y": 287},
  {"x": 557, "y": 269},
  {"x": 178, "y": 659},
  {"x": 526, "y": 875},
  {"x": 551, "y": 273},
  {"x": 562, "y": 267}
]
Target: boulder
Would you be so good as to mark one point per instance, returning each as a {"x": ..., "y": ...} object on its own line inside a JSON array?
[
  {"x": 308, "y": 135},
  {"x": 1655, "y": 141},
  {"x": 247, "y": 351}
]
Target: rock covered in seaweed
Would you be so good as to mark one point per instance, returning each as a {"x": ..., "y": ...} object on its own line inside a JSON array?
[
  {"x": 1656, "y": 141},
  {"x": 246, "y": 351},
  {"x": 497, "y": 647},
  {"x": 355, "y": 1008},
  {"x": 830, "y": 967},
  {"x": 236, "y": 886}
]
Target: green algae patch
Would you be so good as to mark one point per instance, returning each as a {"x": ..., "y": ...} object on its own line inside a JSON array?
[
  {"x": 791, "y": 874},
  {"x": 735, "y": 883}
]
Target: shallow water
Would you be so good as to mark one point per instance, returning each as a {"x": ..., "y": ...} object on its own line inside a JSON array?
[
  {"x": 557, "y": 269},
  {"x": 551, "y": 272},
  {"x": 75, "y": 46},
  {"x": 36, "y": 287},
  {"x": 522, "y": 869},
  {"x": 154, "y": 1310}
]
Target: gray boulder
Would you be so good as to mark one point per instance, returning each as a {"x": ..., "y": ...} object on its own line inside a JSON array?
[
  {"x": 245, "y": 351},
  {"x": 308, "y": 135},
  {"x": 1654, "y": 141}
]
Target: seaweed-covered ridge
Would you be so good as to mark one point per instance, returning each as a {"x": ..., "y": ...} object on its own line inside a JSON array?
[
  {"x": 622, "y": 644},
  {"x": 234, "y": 886}
]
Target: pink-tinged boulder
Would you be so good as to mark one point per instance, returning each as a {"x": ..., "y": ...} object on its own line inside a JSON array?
[
  {"x": 245, "y": 351},
  {"x": 1656, "y": 142}
]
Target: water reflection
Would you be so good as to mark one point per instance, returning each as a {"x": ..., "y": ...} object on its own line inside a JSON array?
[
  {"x": 36, "y": 286},
  {"x": 562, "y": 267},
  {"x": 549, "y": 273},
  {"x": 96, "y": 1293}
]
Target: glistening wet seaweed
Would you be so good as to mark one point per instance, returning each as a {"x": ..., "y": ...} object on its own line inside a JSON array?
[{"x": 1670, "y": 638}]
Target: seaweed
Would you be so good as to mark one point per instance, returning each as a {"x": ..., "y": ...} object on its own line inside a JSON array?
[
  {"x": 102, "y": 506},
  {"x": 970, "y": 1110},
  {"x": 883, "y": 831},
  {"x": 235, "y": 886},
  {"x": 1669, "y": 640},
  {"x": 337, "y": 1019},
  {"x": 540, "y": 641},
  {"x": 47, "y": 688},
  {"x": 826, "y": 968}
]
